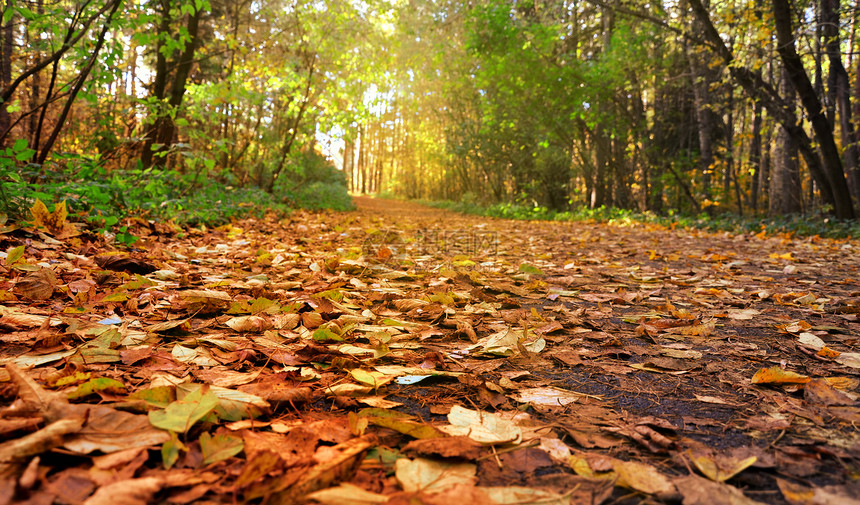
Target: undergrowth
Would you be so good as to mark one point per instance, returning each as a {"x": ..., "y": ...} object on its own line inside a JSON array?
[
  {"x": 105, "y": 198},
  {"x": 798, "y": 225}
]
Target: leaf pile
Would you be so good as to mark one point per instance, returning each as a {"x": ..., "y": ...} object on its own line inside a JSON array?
[{"x": 401, "y": 354}]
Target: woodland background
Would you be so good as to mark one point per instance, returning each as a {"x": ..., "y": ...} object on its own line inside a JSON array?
[{"x": 202, "y": 110}]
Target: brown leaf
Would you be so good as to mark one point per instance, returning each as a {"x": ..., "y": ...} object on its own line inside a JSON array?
[
  {"x": 700, "y": 491},
  {"x": 526, "y": 460},
  {"x": 120, "y": 263},
  {"x": 72, "y": 485},
  {"x": 447, "y": 447},
  {"x": 819, "y": 392},
  {"x": 127, "y": 492},
  {"x": 339, "y": 468},
  {"x": 38, "y": 285},
  {"x": 47, "y": 438}
]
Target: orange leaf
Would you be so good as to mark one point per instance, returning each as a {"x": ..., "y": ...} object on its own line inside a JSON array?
[
  {"x": 827, "y": 352},
  {"x": 777, "y": 375}
]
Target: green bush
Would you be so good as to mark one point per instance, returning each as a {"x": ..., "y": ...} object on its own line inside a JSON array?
[
  {"x": 800, "y": 225},
  {"x": 104, "y": 197},
  {"x": 314, "y": 183}
]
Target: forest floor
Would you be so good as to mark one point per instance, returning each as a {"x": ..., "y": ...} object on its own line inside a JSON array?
[{"x": 400, "y": 354}]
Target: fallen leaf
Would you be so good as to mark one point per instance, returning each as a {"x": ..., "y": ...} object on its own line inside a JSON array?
[
  {"x": 700, "y": 491},
  {"x": 778, "y": 375},
  {"x": 38, "y": 285},
  {"x": 180, "y": 415},
  {"x": 482, "y": 427},
  {"x": 429, "y": 475}
]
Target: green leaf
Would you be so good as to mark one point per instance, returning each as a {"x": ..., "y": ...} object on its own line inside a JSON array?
[
  {"x": 219, "y": 447},
  {"x": 530, "y": 269},
  {"x": 25, "y": 155},
  {"x": 160, "y": 396},
  {"x": 14, "y": 255},
  {"x": 170, "y": 450},
  {"x": 325, "y": 334},
  {"x": 181, "y": 415},
  {"x": 102, "y": 384}
]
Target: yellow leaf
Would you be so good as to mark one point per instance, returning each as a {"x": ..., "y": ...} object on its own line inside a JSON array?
[
  {"x": 777, "y": 375},
  {"x": 364, "y": 377},
  {"x": 723, "y": 470},
  {"x": 641, "y": 477},
  {"x": 40, "y": 213},
  {"x": 843, "y": 383},
  {"x": 786, "y": 256},
  {"x": 54, "y": 222}
]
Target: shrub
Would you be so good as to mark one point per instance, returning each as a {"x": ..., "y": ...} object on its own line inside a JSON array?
[{"x": 314, "y": 183}]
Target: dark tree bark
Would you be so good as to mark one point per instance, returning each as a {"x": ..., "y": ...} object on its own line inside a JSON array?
[
  {"x": 785, "y": 194},
  {"x": 287, "y": 145},
  {"x": 755, "y": 156},
  {"x": 160, "y": 136},
  {"x": 839, "y": 94},
  {"x": 830, "y": 157},
  {"x": 6, "y": 47},
  {"x": 704, "y": 119},
  {"x": 755, "y": 86},
  {"x": 77, "y": 30},
  {"x": 35, "y": 90}
]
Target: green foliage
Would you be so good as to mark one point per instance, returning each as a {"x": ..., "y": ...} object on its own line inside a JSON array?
[
  {"x": 800, "y": 225},
  {"x": 105, "y": 198},
  {"x": 313, "y": 183},
  {"x": 12, "y": 185}
]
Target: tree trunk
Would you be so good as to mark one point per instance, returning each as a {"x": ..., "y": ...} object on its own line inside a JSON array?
[
  {"x": 820, "y": 167},
  {"x": 830, "y": 157},
  {"x": 839, "y": 94},
  {"x": 167, "y": 130},
  {"x": 159, "y": 86},
  {"x": 704, "y": 121},
  {"x": 362, "y": 158},
  {"x": 8, "y": 34},
  {"x": 755, "y": 156},
  {"x": 785, "y": 196}
]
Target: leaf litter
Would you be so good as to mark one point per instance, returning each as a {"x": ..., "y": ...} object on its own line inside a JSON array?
[{"x": 400, "y": 354}]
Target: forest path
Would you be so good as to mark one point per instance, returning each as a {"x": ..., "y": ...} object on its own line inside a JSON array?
[
  {"x": 668, "y": 329},
  {"x": 425, "y": 355}
]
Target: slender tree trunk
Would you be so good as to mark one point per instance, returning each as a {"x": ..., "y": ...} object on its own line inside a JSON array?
[
  {"x": 839, "y": 95},
  {"x": 598, "y": 182},
  {"x": 287, "y": 145},
  {"x": 755, "y": 156},
  {"x": 729, "y": 133},
  {"x": 704, "y": 121},
  {"x": 346, "y": 166},
  {"x": 785, "y": 197},
  {"x": 362, "y": 157},
  {"x": 82, "y": 77},
  {"x": 35, "y": 87},
  {"x": 159, "y": 86},
  {"x": 7, "y": 32}
]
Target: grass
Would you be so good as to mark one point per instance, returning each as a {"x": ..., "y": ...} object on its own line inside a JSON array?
[{"x": 797, "y": 225}]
